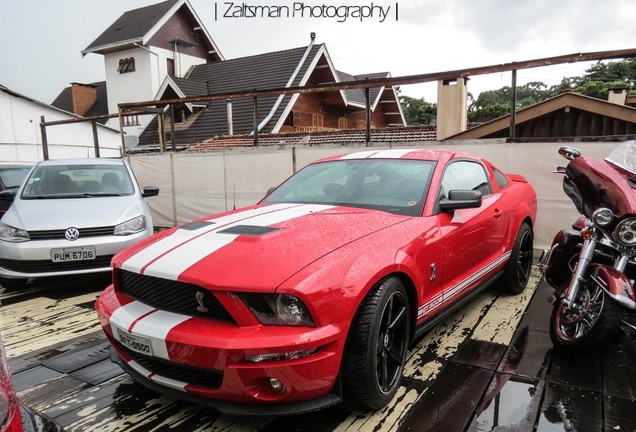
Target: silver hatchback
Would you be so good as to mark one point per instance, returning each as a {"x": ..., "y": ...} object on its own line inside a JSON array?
[{"x": 70, "y": 217}]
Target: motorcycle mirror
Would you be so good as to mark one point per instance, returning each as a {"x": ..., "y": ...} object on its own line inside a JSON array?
[{"x": 569, "y": 153}]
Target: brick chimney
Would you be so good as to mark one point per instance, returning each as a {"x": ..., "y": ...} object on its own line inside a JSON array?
[
  {"x": 452, "y": 107},
  {"x": 84, "y": 97}
]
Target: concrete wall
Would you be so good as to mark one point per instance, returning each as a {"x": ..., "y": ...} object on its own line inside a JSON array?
[{"x": 208, "y": 183}]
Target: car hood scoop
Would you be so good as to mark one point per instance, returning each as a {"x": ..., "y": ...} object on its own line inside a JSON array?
[
  {"x": 256, "y": 248},
  {"x": 250, "y": 230}
]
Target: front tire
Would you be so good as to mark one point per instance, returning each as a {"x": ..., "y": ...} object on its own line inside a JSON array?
[
  {"x": 583, "y": 328},
  {"x": 377, "y": 345},
  {"x": 517, "y": 271}
]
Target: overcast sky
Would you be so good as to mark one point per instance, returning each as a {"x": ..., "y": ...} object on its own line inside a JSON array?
[{"x": 42, "y": 40}]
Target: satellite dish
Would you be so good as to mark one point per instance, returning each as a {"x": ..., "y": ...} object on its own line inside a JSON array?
[{"x": 131, "y": 142}]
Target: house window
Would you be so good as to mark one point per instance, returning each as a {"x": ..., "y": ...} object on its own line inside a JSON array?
[
  {"x": 293, "y": 119},
  {"x": 131, "y": 120},
  {"x": 296, "y": 118},
  {"x": 361, "y": 124},
  {"x": 317, "y": 120},
  {"x": 126, "y": 65},
  {"x": 342, "y": 123}
]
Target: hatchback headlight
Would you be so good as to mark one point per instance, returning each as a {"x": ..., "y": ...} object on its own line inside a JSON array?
[
  {"x": 625, "y": 232},
  {"x": 278, "y": 309},
  {"x": 132, "y": 226},
  {"x": 13, "y": 235}
]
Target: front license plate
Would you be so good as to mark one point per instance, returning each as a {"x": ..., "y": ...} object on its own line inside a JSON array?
[
  {"x": 136, "y": 343},
  {"x": 73, "y": 254}
]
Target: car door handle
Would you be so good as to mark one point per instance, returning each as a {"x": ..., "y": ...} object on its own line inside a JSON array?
[{"x": 498, "y": 213}]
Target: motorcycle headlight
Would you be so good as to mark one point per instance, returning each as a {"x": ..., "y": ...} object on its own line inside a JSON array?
[
  {"x": 278, "y": 309},
  {"x": 132, "y": 226},
  {"x": 602, "y": 216},
  {"x": 625, "y": 232},
  {"x": 13, "y": 235}
]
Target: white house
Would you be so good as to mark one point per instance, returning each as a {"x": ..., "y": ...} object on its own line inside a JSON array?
[{"x": 21, "y": 137}]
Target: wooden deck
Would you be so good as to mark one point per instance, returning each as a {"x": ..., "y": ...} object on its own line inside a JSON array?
[{"x": 490, "y": 366}]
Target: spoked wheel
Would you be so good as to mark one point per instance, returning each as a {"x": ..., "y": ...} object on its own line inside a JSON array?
[
  {"x": 517, "y": 271},
  {"x": 377, "y": 346},
  {"x": 585, "y": 325}
]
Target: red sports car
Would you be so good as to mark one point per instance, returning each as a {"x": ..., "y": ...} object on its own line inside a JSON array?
[{"x": 314, "y": 294}]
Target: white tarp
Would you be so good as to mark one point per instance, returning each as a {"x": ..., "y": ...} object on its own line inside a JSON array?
[{"x": 194, "y": 185}]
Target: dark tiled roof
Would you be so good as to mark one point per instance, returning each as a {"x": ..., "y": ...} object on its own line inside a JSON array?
[
  {"x": 357, "y": 95},
  {"x": 264, "y": 71},
  {"x": 64, "y": 101},
  {"x": 190, "y": 88},
  {"x": 132, "y": 25},
  {"x": 347, "y": 136}
]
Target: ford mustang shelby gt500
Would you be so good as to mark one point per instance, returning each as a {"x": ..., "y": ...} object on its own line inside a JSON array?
[{"x": 313, "y": 295}]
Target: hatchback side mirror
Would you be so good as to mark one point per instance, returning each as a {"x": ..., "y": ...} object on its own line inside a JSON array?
[
  {"x": 150, "y": 191},
  {"x": 8, "y": 195},
  {"x": 461, "y": 199}
]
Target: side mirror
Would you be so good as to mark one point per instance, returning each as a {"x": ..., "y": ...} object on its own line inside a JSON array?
[
  {"x": 8, "y": 195},
  {"x": 150, "y": 191},
  {"x": 461, "y": 199},
  {"x": 269, "y": 191}
]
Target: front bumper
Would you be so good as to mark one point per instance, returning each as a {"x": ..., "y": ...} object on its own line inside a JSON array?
[
  {"x": 204, "y": 360},
  {"x": 33, "y": 258}
]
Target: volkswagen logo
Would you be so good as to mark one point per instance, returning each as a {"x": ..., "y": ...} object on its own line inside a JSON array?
[{"x": 71, "y": 234}]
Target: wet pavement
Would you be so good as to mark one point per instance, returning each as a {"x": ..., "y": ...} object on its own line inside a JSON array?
[{"x": 488, "y": 367}]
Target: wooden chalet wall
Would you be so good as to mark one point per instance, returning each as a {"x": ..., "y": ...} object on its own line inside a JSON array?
[
  {"x": 308, "y": 104},
  {"x": 177, "y": 27}
]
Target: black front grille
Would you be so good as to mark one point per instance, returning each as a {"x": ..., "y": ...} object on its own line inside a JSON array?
[
  {"x": 188, "y": 374},
  {"x": 83, "y": 232},
  {"x": 45, "y": 266},
  {"x": 173, "y": 296}
]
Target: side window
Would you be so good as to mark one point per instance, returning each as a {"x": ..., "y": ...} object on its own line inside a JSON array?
[
  {"x": 465, "y": 175},
  {"x": 502, "y": 180}
]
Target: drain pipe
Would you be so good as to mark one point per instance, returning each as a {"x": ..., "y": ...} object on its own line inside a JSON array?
[{"x": 289, "y": 83}]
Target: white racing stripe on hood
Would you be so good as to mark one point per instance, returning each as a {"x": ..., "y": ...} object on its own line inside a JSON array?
[
  {"x": 172, "y": 264},
  {"x": 180, "y": 236},
  {"x": 379, "y": 154}
]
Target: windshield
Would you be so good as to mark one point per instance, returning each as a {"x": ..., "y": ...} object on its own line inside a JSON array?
[
  {"x": 394, "y": 185},
  {"x": 12, "y": 177},
  {"x": 624, "y": 156},
  {"x": 77, "y": 181}
]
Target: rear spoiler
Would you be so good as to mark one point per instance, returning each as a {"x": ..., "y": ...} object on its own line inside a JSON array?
[{"x": 518, "y": 178}]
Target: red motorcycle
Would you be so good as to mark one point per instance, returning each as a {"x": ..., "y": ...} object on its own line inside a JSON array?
[{"x": 592, "y": 265}]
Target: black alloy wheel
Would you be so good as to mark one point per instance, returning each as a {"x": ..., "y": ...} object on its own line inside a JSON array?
[
  {"x": 377, "y": 346},
  {"x": 517, "y": 271}
]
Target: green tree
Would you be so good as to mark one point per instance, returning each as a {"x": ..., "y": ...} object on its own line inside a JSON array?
[{"x": 418, "y": 111}]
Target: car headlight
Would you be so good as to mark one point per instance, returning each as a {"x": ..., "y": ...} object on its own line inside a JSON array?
[
  {"x": 278, "y": 309},
  {"x": 132, "y": 226},
  {"x": 625, "y": 232},
  {"x": 13, "y": 235}
]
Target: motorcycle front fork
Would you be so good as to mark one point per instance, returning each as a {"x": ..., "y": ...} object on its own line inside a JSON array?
[{"x": 585, "y": 258}]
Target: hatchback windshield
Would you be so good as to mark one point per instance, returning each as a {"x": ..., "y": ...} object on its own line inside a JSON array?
[
  {"x": 393, "y": 185},
  {"x": 77, "y": 181}
]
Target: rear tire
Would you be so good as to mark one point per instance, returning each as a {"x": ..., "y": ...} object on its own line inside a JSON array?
[
  {"x": 585, "y": 327},
  {"x": 377, "y": 345},
  {"x": 517, "y": 271}
]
